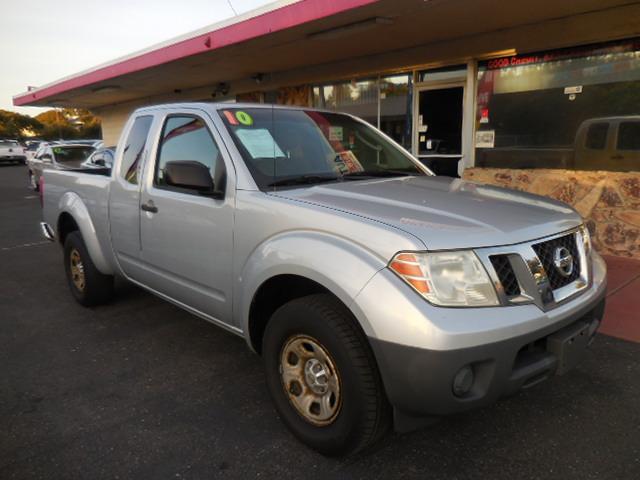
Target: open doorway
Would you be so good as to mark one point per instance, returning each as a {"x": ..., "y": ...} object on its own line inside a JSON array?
[{"x": 438, "y": 135}]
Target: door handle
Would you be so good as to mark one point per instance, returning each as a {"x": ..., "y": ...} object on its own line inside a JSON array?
[{"x": 149, "y": 207}]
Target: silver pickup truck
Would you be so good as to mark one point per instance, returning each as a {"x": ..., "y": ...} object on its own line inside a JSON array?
[{"x": 375, "y": 292}]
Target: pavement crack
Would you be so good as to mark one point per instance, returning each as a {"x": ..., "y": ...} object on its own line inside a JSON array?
[{"x": 24, "y": 245}]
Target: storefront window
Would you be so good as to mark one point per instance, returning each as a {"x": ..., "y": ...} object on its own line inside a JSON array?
[
  {"x": 385, "y": 103},
  {"x": 575, "y": 108},
  {"x": 358, "y": 98},
  {"x": 395, "y": 108},
  {"x": 443, "y": 74}
]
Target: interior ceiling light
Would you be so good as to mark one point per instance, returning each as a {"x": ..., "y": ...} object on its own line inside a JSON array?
[{"x": 350, "y": 28}]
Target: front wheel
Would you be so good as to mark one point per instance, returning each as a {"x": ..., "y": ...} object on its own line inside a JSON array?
[
  {"x": 88, "y": 285},
  {"x": 322, "y": 376}
]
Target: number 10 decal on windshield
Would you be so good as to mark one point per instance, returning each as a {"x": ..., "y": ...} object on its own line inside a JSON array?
[{"x": 239, "y": 118}]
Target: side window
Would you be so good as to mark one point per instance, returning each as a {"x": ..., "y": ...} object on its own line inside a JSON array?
[
  {"x": 629, "y": 136},
  {"x": 134, "y": 148},
  {"x": 187, "y": 139},
  {"x": 597, "y": 136}
]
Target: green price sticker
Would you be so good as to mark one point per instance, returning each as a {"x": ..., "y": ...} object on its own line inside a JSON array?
[
  {"x": 244, "y": 118},
  {"x": 57, "y": 150}
]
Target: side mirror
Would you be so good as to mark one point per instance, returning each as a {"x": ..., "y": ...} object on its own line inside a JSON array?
[{"x": 191, "y": 175}]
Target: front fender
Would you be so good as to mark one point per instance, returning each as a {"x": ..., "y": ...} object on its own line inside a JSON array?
[
  {"x": 72, "y": 204},
  {"x": 336, "y": 263}
]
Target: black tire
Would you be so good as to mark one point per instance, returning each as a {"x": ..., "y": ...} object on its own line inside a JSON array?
[
  {"x": 364, "y": 414},
  {"x": 97, "y": 288}
]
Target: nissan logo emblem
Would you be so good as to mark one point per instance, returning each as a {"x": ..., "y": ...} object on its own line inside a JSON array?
[{"x": 563, "y": 261}]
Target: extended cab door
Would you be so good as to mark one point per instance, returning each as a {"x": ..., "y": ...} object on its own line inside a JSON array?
[
  {"x": 187, "y": 237},
  {"x": 124, "y": 194}
]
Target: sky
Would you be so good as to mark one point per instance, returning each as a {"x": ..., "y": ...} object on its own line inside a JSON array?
[{"x": 44, "y": 40}]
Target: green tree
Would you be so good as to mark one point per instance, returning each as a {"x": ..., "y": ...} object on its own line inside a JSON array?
[
  {"x": 16, "y": 125},
  {"x": 69, "y": 123}
]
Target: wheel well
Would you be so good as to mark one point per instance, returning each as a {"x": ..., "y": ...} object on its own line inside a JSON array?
[
  {"x": 66, "y": 225},
  {"x": 271, "y": 295}
]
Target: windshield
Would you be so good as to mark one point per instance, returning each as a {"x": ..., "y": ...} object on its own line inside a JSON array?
[
  {"x": 8, "y": 143},
  {"x": 72, "y": 154},
  {"x": 293, "y": 147}
]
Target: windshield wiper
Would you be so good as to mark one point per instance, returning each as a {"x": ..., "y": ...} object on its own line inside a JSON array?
[
  {"x": 379, "y": 173},
  {"x": 303, "y": 180}
]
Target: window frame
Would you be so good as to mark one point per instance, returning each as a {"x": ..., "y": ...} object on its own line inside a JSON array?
[{"x": 158, "y": 153}]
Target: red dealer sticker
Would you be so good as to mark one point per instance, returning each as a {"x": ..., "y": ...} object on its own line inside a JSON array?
[{"x": 230, "y": 117}]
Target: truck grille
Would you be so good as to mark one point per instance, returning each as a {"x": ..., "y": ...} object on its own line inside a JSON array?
[
  {"x": 527, "y": 271},
  {"x": 506, "y": 275},
  {"x": 546, "y": 251}
]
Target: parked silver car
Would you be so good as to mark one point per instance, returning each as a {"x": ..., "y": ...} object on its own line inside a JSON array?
[
  {"x": 375, "y": 292},
  {"x": 57, "y": 155}
]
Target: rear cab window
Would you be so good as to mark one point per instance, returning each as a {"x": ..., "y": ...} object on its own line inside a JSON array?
[
  {"x": 134, "y": 149},
  {"x": 75, "y": 153},
  {"x": 596, "y": 138},
  {"x": 628, "y": 136}
]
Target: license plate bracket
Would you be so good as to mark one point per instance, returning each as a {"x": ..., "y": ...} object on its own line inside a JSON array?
[{"x": 569, "y": 345}]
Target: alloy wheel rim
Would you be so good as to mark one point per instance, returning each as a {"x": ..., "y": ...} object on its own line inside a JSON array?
[
  {"x": 77, "y": 269},
  {"x": 310, "y": 380}
]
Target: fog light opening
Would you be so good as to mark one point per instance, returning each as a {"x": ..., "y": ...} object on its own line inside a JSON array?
[{"x": 463, "y": 381}]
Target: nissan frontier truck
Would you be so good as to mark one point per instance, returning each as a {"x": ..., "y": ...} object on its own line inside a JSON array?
[{"x": 376, "y": 293}]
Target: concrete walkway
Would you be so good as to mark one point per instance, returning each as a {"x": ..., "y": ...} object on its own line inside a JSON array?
[{"x": 622, "y": 315}]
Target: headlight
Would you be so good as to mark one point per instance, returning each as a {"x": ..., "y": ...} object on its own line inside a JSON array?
[{"x": 448, "y": 279}]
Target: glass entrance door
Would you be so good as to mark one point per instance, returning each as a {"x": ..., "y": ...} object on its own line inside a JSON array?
[{"x": 438, "y": 128}]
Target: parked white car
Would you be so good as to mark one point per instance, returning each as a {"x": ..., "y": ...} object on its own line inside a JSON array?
[{"x": 12, "y": 151}]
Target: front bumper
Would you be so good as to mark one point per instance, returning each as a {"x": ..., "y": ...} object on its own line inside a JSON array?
[{"x": 420, "y": 348}]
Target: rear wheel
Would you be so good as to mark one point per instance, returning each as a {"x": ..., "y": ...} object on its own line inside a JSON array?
[
  {"x": 88, "y": 286},
  {"x": 322, "y": 376}
]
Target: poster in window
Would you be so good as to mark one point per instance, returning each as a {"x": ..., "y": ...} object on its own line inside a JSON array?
[{"x": 485, "y": 138}]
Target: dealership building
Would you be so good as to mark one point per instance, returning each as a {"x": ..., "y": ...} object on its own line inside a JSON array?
[{"x": 540, "y": 96}]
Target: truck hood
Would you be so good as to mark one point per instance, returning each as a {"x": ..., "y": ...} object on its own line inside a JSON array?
[{"x": 443, "y": 212}]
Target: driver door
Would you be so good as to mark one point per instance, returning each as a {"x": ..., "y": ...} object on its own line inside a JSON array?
[{"x": 186, "y": 237}]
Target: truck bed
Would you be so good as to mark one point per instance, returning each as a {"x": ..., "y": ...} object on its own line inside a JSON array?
[{"x": 86, "y": 190}]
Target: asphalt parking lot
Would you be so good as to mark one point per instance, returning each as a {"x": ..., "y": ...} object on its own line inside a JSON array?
[{"x": 141, "y": 389}]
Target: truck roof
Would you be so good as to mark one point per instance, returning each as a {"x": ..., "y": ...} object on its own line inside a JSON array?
[{"x": 223, "y": 105}]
